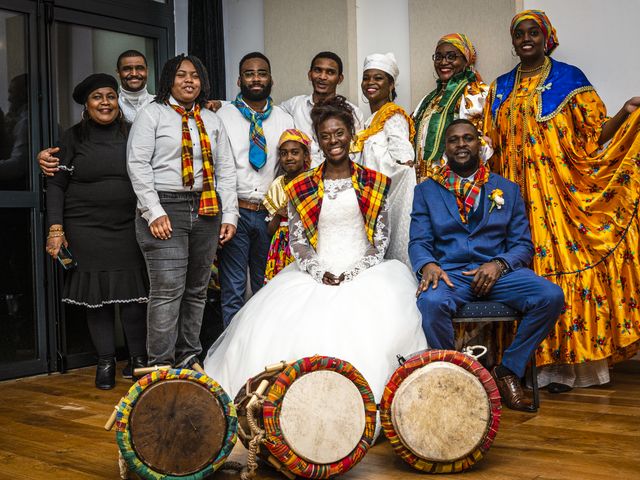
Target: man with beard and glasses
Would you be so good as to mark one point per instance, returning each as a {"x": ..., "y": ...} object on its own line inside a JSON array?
[
  {"x": 132, "y": 97},
  {"x": 470, "y": 240},
  {"x": 254, "y": 126},
  {"x": 325, "y": 74}
]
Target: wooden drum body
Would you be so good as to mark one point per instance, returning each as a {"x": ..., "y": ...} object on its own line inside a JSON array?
[
  {"x": 175, "y": 424},
  {"x": 440, "y": 411},
  {"x": 318, "y": 417}
]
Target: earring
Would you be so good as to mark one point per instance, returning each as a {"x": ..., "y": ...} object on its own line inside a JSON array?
[
  {"x": 435, "y": 77},
  {"x": 391, "y": 96},
  {"x": 513, "y": 52},
  {"x": 85, "y": 115},
  {"x": 121, "y": 116},
  {"x": 364, "y": 99}
]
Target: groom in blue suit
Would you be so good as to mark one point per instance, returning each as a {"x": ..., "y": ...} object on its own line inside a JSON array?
[{"x": 470, "y": 240}]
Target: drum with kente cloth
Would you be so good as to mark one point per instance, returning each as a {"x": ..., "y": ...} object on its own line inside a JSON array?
[
  {"x": 441, "y": 410},
  {"x": 175, "y": 424},
  {"x": 316, "y": 418}
]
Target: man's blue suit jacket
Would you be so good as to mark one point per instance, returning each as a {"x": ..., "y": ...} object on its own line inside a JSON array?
[{"x": 438, "y": 235}]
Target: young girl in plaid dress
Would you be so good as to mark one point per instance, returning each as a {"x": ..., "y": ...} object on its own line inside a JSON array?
[{"x": 293, "y": 151}]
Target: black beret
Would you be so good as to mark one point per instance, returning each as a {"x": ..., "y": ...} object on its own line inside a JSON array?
[{"x": 91, "y": 83}]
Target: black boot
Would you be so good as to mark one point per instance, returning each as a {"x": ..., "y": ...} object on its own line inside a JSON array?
[
  {"x": 137, "y": 361},
  {"x": 106, "y": 373}
]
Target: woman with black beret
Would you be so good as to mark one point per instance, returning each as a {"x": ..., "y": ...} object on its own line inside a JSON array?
[{"x": 91, "y": 210}]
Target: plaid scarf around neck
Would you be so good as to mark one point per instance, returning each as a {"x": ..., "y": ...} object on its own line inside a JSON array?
[
  {"x": 466, "y": 193},
  {"x": 208, "y": 198},
  {"x": 258, "y": 146},
  {"x": 307, "y": 190}
]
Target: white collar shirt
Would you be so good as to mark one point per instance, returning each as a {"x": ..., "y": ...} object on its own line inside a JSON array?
[
  {"x": 154, "y": 159},
  {"x": 253, "y": 184}
]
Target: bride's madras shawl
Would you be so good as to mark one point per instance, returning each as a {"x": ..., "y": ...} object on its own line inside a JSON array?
[
  {"x": 307, "y": 189},
  {"x": 387, "y": 111}
]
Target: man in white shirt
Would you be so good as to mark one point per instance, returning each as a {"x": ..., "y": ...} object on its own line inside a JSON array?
[
  {"x": 132, "y": 97},
  {"x": 325, "y": 74},
  {"x": 254, "y": 126}
]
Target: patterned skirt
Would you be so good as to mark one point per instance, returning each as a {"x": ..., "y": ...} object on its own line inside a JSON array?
[{"x": 279, "y": 253}]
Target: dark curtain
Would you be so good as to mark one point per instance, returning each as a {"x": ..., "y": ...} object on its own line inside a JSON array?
[{"x": 206, "y": 41}]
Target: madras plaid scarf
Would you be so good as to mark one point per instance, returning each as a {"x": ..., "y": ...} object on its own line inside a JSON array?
[
  {"x": 208, "y": 198},
  {"x": 387, "y": 111},
  {"x": 307, "y": 189},
  {"x": 466, "y": 192},
  {"x": 258, "y": 147}
]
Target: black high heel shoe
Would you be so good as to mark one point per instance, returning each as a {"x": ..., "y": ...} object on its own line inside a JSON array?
[{"x": 106, "y": 373}]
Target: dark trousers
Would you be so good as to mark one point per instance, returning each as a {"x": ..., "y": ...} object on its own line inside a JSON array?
[
  {"x": 101, "y": 328},
  {"x": 539, "y": 300},
  {"x": 248, "y": 249},
  {"x": 179, "y": 269}
]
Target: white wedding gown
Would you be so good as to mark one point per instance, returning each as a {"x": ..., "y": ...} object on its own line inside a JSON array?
[
  {"x": 367, "y": 320},
  {"x": 382, "y": 152}
]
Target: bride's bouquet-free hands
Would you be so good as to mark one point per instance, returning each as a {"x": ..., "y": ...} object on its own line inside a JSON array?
[{"x": 330, "y": 279}]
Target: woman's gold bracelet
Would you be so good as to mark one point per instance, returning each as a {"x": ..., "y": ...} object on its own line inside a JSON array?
[{"x": 55, "y": 233}]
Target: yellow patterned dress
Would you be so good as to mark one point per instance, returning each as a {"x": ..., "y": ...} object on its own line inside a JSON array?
[{"x": 582, "y": 204}]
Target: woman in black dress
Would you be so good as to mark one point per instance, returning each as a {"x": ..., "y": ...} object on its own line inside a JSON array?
[{"x": 91, "y": 208}]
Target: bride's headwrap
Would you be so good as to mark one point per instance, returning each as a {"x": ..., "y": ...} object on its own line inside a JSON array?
[
  {"x": 541, "y": 19},
  {"x": 466, "y": 47}
]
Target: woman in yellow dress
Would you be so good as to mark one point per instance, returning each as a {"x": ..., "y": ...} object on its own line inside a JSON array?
[
  {"x": 460, "y": 93},
  {"x": 549, "y": 128}
]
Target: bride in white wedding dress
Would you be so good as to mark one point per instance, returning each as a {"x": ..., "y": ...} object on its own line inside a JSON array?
[{"x": 340, "y": 298}]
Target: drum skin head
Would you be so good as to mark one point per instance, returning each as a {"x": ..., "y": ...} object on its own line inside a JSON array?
[
  {"x": 441, "y": 412},
  {"x": 322, "y": 417},
  {"x": 177, "y": 427}
]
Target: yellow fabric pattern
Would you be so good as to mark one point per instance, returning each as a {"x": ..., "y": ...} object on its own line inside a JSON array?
[
  {"x": 583, "y": 208},
  {"x": 276, "y": 198},
  {"x": 387, "y": 111}
]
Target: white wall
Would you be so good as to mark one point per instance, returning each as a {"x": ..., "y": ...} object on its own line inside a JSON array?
[
  {"x": 599, "y": 37},
  {"x": 382, "y": 26},
  {"x": 243, "y": 33}
]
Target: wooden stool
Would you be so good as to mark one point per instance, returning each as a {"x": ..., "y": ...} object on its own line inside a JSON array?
[{"x": 487, "y": 312}]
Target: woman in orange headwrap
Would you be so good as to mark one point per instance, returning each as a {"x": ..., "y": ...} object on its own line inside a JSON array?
[
  {"x": 460, "y": 93},
  {"x": 549, "y": 127}
]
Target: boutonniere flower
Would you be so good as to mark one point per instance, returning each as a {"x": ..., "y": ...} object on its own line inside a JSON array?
[{"x": 497, "y": 199}]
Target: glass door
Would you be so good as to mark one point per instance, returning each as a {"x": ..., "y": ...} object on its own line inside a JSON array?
[{"x": 23, "y": 333}]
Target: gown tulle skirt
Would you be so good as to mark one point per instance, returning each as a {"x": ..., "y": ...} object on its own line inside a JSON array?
[{"x": 367, "y": 322}]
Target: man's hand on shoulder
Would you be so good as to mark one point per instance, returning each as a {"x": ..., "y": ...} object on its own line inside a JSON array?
[
  {"x": 431, "y": 275},
  {"x": 484, "y": 278}
]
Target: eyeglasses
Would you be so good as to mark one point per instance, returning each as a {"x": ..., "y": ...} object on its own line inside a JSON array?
[
  {"x": 249, "y": 74},
  {"x": 449, "y": 57}
]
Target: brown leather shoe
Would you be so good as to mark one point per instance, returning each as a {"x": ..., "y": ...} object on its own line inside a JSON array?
[{"x": 512, "y": 394}]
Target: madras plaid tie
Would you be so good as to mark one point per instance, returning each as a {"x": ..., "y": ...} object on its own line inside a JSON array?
[
  {"x": 208, "y": 198},
  {"x": 258, "y": 146}
]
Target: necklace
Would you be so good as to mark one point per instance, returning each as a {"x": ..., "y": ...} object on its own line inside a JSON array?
[
  {"x": 534, "y": 69},
  {"x": 516, "y": 158}
]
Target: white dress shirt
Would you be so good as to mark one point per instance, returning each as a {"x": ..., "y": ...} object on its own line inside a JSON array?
[
  {"x": 132, "y": 102},
  {"x": 154, "y": 159},
  {"x": 253, "y": 184},
  {"x": 300, "y": 109}
]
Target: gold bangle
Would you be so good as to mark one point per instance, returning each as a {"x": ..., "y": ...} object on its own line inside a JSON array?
[
  {"x": 55, "y": 234},
  {"x": 56, "y": 229}
]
